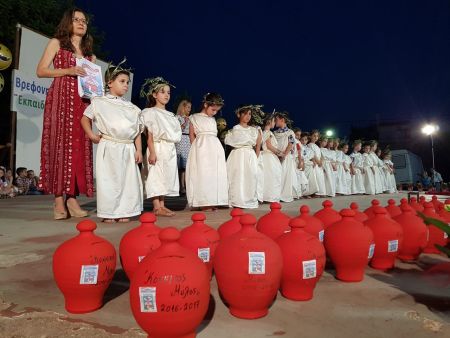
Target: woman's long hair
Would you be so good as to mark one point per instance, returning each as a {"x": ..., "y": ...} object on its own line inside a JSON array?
[{"x": 64, "y": 32}]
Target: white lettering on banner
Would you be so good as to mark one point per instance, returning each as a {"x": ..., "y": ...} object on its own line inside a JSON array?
[{"x": 28, "y": 93}]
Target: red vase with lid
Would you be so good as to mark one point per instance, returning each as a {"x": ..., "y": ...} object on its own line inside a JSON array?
[
  {"x": 414, "y": 233},
  {"x": 303, "y": 261},
  {"x": 436, "y": 203},
  {"x": 435, "y": 235},
  {"x": 415, "y": 205},
  {"x": 83, "y": 268},
  {"x": 248, "y": 268},
  {"x": 393, "y": 209},
  {"x": 369, "y": 211},
  {"x": 359, "y": 215},
  {"x": 422, "y": 200},
  {"x": 388, "y": 237},
  {"x": 328, "y": 215},
  {"x": 274, "y": 223},
  {"x": 444, "y": 213},
  {"x": 201, "y": 239},
  {"x": 231, "y": 226},
  {"x": 348, "y": 244},
  {"x": 138, "y": 242},
  {"x": 169, "y": 291},
  {"x": 314, "y": 225}
]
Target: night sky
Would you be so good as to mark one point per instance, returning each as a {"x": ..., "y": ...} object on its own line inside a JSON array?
[{"x": 328, "y": 63}]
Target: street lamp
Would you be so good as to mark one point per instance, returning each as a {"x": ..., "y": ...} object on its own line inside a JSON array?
[
  {"x": 329, "y": 133},
  {"x": 429, "y": 130}
]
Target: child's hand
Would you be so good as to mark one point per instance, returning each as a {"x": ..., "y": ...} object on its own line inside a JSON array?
[
  {"x": 152, "y": 159},
  {"x": 95, "y": 138},
  {"x": 138, "y": 157}
]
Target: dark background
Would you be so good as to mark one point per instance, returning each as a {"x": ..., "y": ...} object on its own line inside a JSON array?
[{"x": 353, "y": 66}]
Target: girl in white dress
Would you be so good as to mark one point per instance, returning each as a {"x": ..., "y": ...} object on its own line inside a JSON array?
[
  {"x": 329, "y": 157},
  {"x": 286, "y": 146},
  {"x": 302, "y": 180},
  {"x": 382, "y": 168},
  {"x": 378, "y": 175},
  {"x": 308, "y": 166},
  {"x": 342, "y": 170},
  {"x": 271, "y": 163},
  {"x": 118, "y": 180},
  {"x": 389, "y": 172},
  {"x": 206, "y": 170},
  {"x": 369, "y": 171},
  {"x": 163, "y": 131},
  {"x": 242, "y": 163},
  {"x": 317, "y": 160},
  {"x": 357, "y": 169}
]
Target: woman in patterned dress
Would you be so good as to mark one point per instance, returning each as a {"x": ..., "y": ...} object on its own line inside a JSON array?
[
  {"x": 182, "y": 147},
  {"x": 66, "y": 152}
]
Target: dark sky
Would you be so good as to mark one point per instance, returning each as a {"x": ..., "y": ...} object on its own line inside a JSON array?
[{"x": 328, "y": 63}]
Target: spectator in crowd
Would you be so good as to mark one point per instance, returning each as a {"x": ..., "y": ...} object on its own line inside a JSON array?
[
  {"x": 437, "y": 180},
  {"x": 22, "y": 182},
  {"x": 426, "y": 180}
]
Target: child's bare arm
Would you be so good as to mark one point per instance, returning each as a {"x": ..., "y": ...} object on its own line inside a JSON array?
[
  {"x": 138, "y": 145},
  {"x": 87, "y": 127}
]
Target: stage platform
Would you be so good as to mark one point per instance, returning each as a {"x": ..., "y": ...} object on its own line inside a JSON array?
[{"x": 405, "y": 302}]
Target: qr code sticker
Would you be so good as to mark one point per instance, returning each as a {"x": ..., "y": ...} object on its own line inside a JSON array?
[
  {"x": 203, "y": 254},
  {"x": 393, "y": 245},
  {"x": 147, "y": 298},
  {"x": 256, "y": 263},
  {"x": 89, "y": 274},
  {"x": 321, "y": 234},
  {"x": 371, "y": 250},
  {"x": 309, "y": 269}
]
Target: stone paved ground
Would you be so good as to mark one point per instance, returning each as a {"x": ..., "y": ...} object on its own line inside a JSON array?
[{"x": 406, "y": 302}]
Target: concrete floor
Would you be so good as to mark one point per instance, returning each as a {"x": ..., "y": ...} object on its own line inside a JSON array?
[{"x": 406, "y": 302}]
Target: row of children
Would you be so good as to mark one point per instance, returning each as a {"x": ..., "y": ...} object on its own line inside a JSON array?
[{"x": 282, "y": 172}]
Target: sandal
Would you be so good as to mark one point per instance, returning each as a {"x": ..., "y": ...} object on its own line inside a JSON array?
[
  {"x": 108, "y": 220},
  {"x": 123, "y": 220},
  {"x": 162, "y": 212}
]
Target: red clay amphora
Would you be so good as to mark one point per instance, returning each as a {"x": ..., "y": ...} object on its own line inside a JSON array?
[
  {"x": 328, "y": 215},
  {"x": 138, "y": 242},
  {"x": 274, "y": 223},
  {"x": 83, "y": 268},
  {"x": 201, "y": 239},
  {"x": 348, "y": 244},
  {"x": 414, "y": 233},
  {"x": 248, "y": 268},
  {"x": 231, "y": 226},
  {"x": 314, "y": 225},
  {"x": 169, "y": 292},
  {"x": 388, "y": 237},
  {"x": 303, "y": 261}
]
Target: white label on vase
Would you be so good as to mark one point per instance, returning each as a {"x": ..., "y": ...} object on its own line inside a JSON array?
[
  {"x": 203, "y": 254},
  {"x": 147, "y": 298},
  {"x": 445, "y": 235},
  {"x": 140, "y": 258},
  {"x": 393, "y": 245},
  {"x": 256, "y": 263},
  {"x": 371, "y": 250},
  {"x": 309, "y": 269},
  {"x": 321, "y": 234},
  {"x": 89, "y": 274}
]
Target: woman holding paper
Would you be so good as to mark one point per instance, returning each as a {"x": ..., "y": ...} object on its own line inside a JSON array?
[{"x": 66, "y": 152}]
